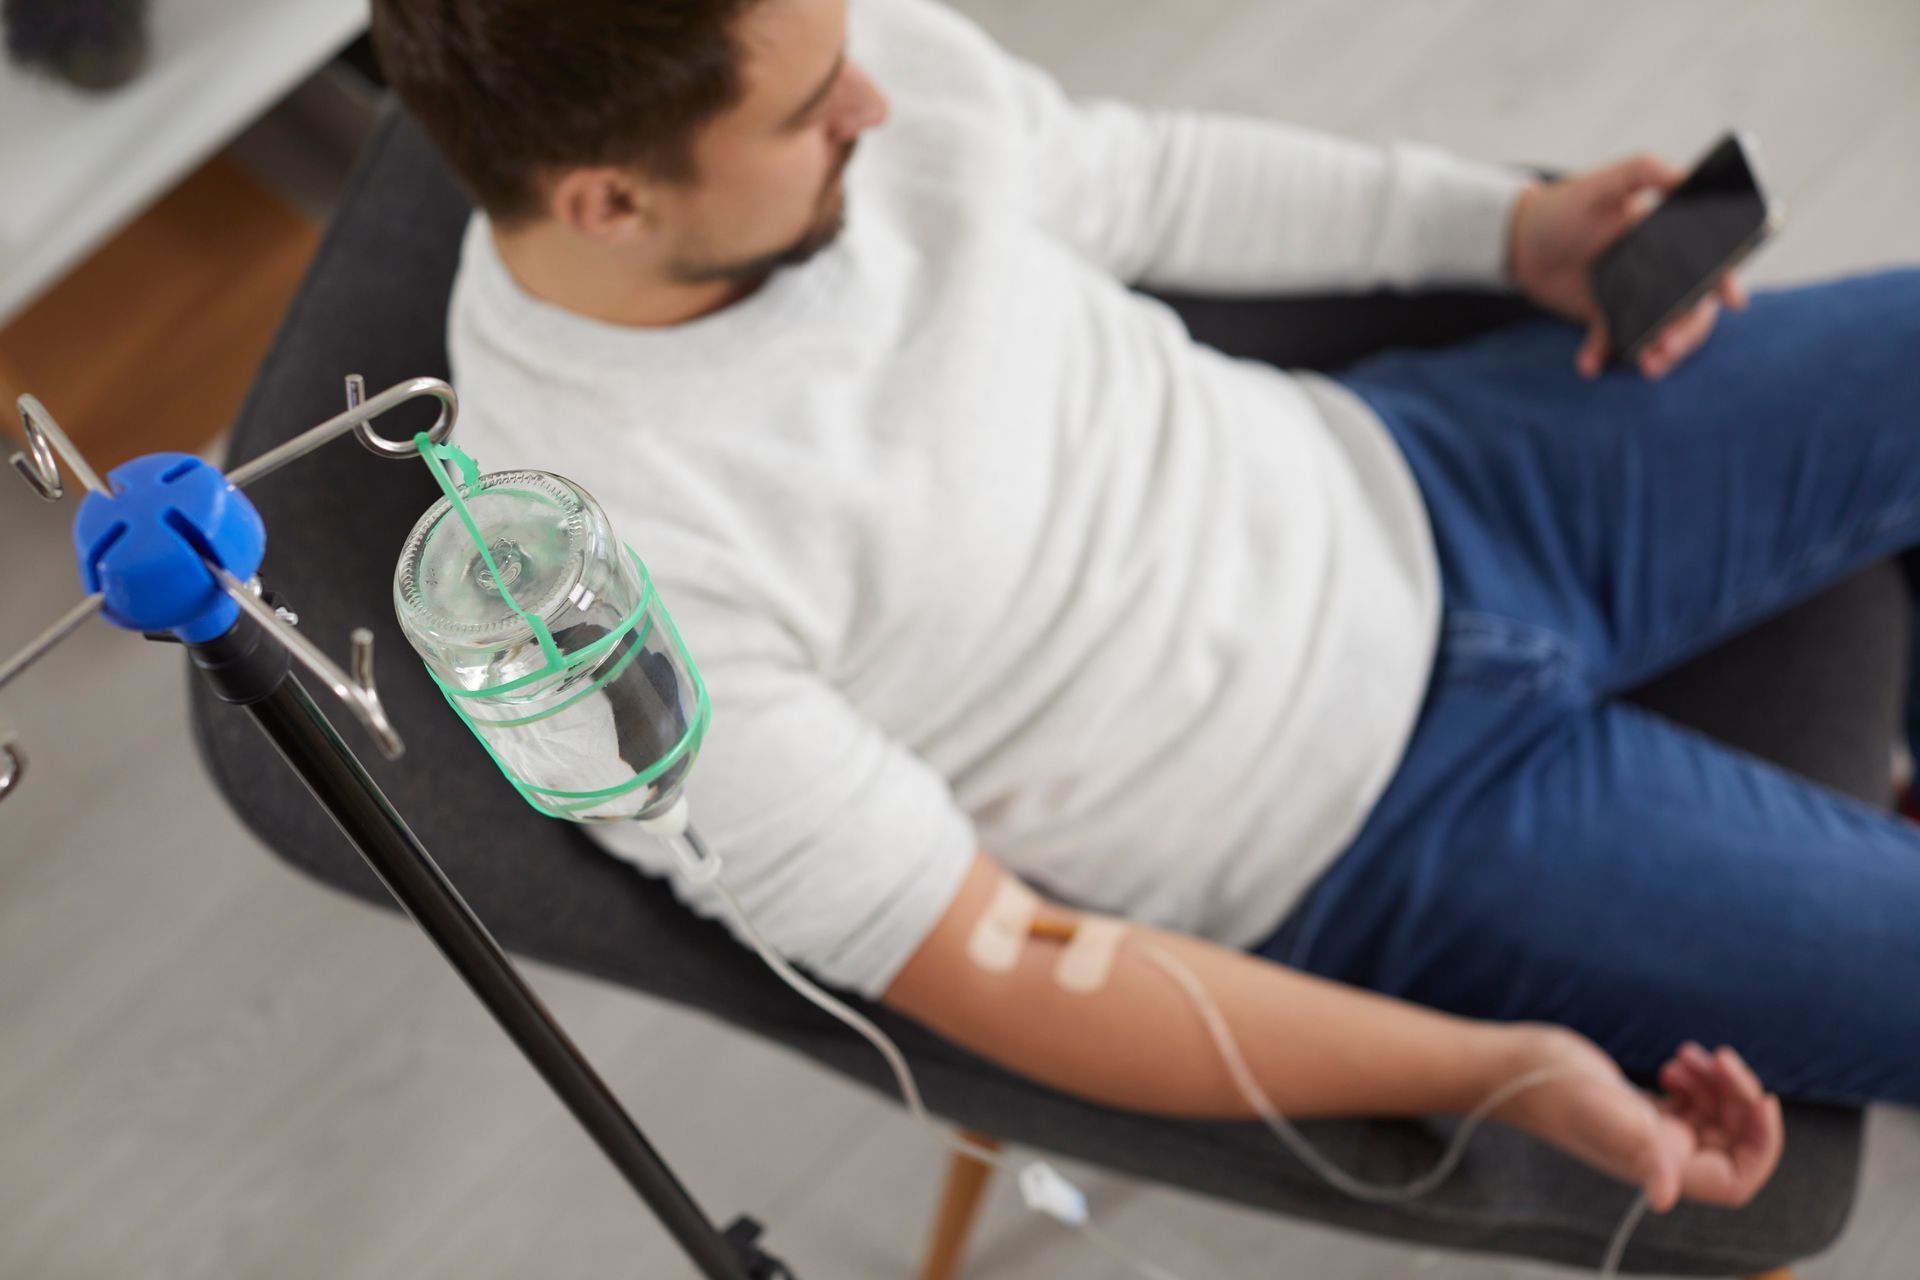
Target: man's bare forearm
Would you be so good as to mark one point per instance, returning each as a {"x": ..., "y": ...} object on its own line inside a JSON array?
[{"x": 1316, "y": 1047}]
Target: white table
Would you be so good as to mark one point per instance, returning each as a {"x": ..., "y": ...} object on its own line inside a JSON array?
[{"x": 76, "y": 166}]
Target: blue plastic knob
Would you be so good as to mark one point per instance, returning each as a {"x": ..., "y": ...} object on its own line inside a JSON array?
[{"x": 142, "y": 546}]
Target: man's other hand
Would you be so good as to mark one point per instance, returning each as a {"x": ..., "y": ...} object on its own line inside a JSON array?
[
  {"x": 1714, "y": 1138},
  {"x": 1560, "y": 228}
]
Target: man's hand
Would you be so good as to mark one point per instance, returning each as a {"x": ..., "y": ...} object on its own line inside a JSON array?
[
  {"x": 1560, "y": 228},
  {"x": 1715, "y": 1138}
]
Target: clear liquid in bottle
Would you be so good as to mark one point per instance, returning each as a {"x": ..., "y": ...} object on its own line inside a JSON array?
[{"x": 589, "y": 726}]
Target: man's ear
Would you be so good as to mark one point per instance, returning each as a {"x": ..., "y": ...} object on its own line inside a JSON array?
[{"x": 603, "y": 203}]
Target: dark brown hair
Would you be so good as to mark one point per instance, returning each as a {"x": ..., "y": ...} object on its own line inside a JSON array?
[{"x": 514, "y": 90}]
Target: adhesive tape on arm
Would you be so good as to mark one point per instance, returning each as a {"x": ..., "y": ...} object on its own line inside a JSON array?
[
  {"x": 1002, "y": 929},
  {"x": 1088, "y": 958}
]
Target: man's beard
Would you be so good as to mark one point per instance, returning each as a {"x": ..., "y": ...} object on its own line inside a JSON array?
[{"x": 829, "y": 221}]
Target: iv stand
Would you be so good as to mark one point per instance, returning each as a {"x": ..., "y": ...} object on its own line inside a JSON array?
[{"x": 249, "y": 664}]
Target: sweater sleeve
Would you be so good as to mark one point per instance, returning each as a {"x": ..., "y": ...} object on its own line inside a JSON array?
[
  {"x": 1190, "y": 200},
  {"x": 843, "y": 846}
]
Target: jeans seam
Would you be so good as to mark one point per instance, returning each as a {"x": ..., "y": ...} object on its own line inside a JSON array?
[{"x": 1544, "y": 657}]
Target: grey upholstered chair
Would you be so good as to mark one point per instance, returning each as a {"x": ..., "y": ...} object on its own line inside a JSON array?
[{"x": 1813, "y": 690}]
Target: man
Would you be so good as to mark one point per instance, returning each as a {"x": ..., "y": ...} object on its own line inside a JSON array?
[{"x": 993, "y": 572}]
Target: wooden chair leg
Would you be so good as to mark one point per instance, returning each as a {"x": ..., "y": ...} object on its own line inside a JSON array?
[{"x": 959, "y": 1202}]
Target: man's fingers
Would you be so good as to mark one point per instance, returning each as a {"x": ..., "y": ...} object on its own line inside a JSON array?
[
  {"x": 1737, "y": 1125},
  {"x": 1732, "y": 292},
  {"x": 1761, "y": 1134},
  {"x": 1730, "y": 1169},
  {"x": 1757, "y": 1154},
  {"x": 1698, "y": 1081},
  {"x": 1692, "y": 329},
  {"x": 1620, "y": 180},
  {"x": 1661, "y": 1176},
  {"x": 1680, "y": 339},
  {"x": 1700, "y": 1063},
  {"x": 1769, "y": 1140},
  {"x": 1592, "y": 355},
  {"x": 1684, "y": 1088},
  {"x": 1712, "y": 1178},
  {"x": 1622, "y": 194},
  {"x": 1676, "y": 1080},
  {"x": 1736, "y": 1071},
  {"x": 1740, "y": 1097}
]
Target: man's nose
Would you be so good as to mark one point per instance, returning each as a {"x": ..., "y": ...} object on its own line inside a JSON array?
[{"x": 864, "y": 105}]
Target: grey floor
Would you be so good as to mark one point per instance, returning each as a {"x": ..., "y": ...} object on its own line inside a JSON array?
[{"x": 209, "y": 1067}]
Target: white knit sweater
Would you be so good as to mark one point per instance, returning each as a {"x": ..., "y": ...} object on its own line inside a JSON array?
[{"x": 976, "y": 548}]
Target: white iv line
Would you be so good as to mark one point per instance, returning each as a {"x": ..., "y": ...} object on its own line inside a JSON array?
[{"x": 1044, "y": 1189}]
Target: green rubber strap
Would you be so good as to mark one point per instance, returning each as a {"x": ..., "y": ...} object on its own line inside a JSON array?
[
  {"x": 613, "y": 673},
  {"x": 438, "y": 453},
  {"x": 550, "y": 801},
  {"x": 538, "y": 797},
  {"x": 584, "y": 654}
]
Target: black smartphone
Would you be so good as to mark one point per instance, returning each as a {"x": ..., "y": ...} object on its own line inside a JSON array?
[{"x": 1717, "y": 216}]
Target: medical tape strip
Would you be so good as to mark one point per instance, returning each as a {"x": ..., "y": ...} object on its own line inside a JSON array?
[
  {"x": 1002, "y": 928},
  {"x": 1088, "y": 958}
]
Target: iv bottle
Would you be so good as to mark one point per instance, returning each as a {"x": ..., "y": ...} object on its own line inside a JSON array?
[{"x": 603, "y": 725}]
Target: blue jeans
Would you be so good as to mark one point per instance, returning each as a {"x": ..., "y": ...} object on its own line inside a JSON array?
[{"x": 1548, "y": 851}]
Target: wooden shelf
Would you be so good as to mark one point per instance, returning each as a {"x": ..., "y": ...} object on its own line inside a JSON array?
[
  {"x": 79, "y": 164},
  {"x": 151, "y": 342}
]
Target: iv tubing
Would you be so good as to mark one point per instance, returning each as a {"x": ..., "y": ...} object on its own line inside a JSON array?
[{"x": 704, "y": 867}]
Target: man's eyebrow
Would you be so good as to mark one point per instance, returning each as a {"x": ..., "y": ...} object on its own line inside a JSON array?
[{"x": 819, "y": 95}]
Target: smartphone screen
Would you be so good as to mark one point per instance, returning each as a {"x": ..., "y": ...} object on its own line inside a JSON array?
[{"x": 1679, "y": 250}]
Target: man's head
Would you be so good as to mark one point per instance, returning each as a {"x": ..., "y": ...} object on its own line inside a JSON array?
[{"x": 705, "y": 137}]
